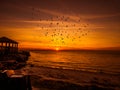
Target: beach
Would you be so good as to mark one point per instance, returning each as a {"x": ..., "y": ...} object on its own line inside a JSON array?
[
  {"x": 74, "y": 70},
  {"x": 46, "y": 78}
]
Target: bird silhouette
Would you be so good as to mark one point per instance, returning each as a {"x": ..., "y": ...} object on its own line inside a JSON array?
[{"x": 60, "y": 28}]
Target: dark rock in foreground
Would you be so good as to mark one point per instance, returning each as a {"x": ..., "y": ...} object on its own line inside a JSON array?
[{"x": 9, "y": 80}]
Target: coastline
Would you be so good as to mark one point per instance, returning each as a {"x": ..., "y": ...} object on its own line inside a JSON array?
[{"x": 45, "y": 78}]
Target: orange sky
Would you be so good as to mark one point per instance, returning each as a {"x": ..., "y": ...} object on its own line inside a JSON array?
[{"x": 67, "y": 24}]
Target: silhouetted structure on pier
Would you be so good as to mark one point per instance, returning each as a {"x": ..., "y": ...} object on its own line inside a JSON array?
[{"x": 8, "y": 46}]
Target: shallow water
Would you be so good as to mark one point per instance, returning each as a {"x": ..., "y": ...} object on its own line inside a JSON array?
[{"x": 95, "y": 61}]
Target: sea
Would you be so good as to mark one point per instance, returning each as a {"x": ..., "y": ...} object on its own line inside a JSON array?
[{"x": 85, "y": 60}]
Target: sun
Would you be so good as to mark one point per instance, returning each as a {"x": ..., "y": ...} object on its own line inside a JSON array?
[{"x": 57, "y": 49}]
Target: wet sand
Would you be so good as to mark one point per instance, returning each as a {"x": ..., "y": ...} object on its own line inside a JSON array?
[{"x": 45, "y": 78}]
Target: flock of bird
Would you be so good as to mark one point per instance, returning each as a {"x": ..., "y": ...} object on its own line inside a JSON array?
[{"x": 60, "y": 29}]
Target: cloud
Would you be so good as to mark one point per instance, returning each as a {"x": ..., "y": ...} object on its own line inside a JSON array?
[{"x": 90, "y": 16}]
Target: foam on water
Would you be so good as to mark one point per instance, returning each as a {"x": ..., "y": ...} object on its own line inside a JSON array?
[{"x": 95, "y": 61}]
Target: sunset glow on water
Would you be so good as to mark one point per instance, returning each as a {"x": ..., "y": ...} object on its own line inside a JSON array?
[{"x": 93, "y": 61}]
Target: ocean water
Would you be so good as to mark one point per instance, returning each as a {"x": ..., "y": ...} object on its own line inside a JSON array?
[{"x": 93, "y": 61}]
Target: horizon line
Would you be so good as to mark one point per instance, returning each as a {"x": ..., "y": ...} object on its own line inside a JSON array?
[{"x": 76, "y": 49}]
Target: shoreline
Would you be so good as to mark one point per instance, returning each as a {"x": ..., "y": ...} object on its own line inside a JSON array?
[
  {"x": 76, "y": 70},
  {"x": 44, "y": 77}
]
